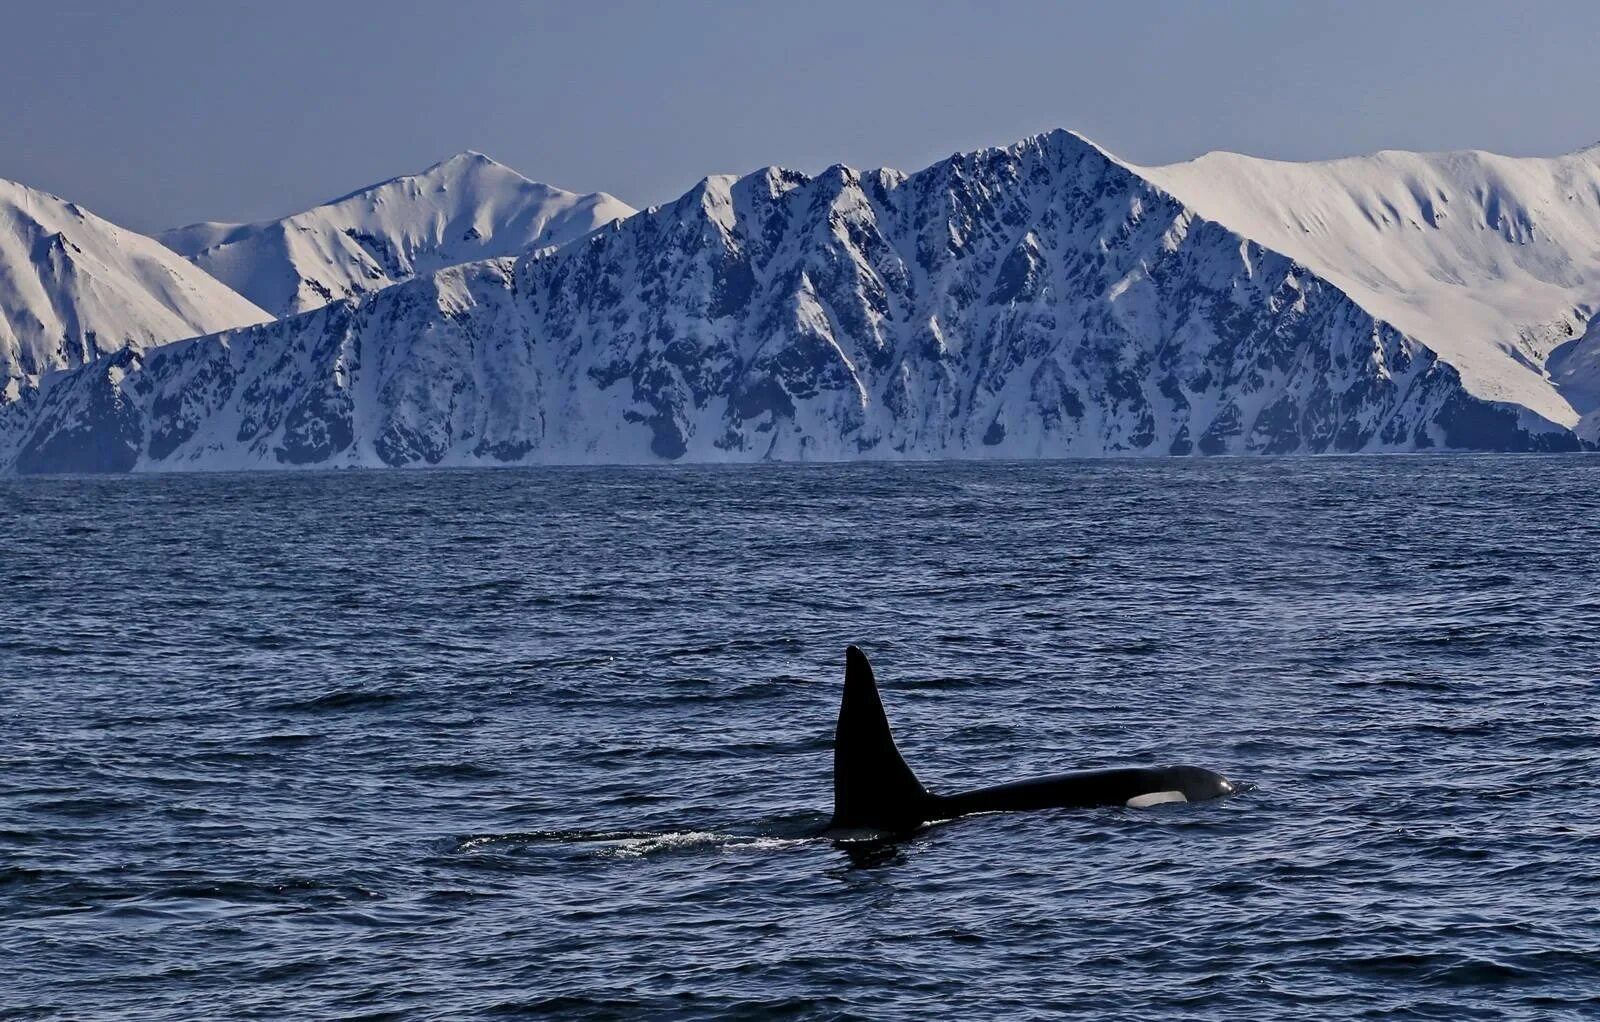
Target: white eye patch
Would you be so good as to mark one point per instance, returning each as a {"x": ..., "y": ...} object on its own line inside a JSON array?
[{"x": 1156, "y": 798}]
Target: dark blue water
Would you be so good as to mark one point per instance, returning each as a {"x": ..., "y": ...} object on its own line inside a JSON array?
[{"x": 528, "y": 743}]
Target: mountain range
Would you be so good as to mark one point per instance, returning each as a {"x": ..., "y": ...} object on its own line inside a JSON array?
[{"x": 1043, "y": 299}]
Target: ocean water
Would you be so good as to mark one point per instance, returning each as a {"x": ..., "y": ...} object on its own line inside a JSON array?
[{"x": 556, "y": 743}]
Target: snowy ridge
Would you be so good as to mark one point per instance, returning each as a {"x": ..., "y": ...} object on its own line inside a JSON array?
[
  {"x": 1492, "y": 261},
  {"x": 74, "y": 287},
  {"x": 1040, "y": 299},
  {"x": 464, "y": 209}
]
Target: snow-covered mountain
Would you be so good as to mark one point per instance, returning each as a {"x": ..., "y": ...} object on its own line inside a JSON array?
[
  {"x": 1042, "y": 299},
  {"x": 74, "y": 287},
  {"x": 1491, "y": 261},
  {"x": 464, "y": 209}
]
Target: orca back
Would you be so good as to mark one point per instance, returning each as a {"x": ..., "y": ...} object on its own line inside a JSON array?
[{"x": 873, "y": 788}]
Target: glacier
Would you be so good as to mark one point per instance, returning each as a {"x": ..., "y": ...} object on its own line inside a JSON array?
[{"x": 1043, "y": 299}]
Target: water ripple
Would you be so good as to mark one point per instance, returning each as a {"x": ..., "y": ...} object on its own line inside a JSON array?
[{"x": 557, "y": 742}]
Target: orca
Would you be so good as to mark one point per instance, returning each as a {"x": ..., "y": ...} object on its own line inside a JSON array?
[{"x": 875, "y": 792}]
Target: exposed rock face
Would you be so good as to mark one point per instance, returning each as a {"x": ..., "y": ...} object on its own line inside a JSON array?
[{"x": 1038, "y": 300}]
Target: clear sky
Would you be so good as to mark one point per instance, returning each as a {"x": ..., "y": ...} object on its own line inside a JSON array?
[{"x": 157, "y": 114}]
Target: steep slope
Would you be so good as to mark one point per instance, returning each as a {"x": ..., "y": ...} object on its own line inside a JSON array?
[
  {"x": 74, "y": 286},
  {"x": 1575, "y": 369},
  {"x": 1492, "y": 261},
  {"x": 1035, "y": 300},
  {"x": 467, "y": 208}
]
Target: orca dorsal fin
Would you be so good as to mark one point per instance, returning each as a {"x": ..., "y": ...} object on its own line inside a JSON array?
[{"x": 872, "y": 786}]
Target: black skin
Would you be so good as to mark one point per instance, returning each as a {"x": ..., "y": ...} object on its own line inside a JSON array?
[{"x": 876, "y": 792}]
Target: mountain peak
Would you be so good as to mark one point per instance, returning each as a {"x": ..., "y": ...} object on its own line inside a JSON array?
[
  {"x": 1068, "y": 140},
  {"x": 463, "y": 208},
  {"x": 1057, "y": 142},
  {"x": 466, "y": 162},
  {"x": 465, "y": 158},
  {"x": 74, "y": 286}
]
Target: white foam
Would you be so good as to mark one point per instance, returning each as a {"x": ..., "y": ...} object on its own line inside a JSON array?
[{"x": 642, "y": 846}]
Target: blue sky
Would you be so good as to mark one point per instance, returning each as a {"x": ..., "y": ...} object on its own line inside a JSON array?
[{"x": 161, "y": 114}]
